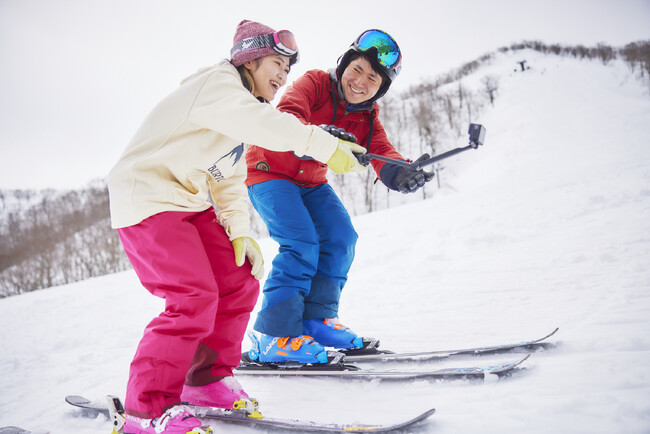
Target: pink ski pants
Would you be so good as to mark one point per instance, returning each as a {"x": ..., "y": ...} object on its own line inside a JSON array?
[{"x": 187, "y": 259}]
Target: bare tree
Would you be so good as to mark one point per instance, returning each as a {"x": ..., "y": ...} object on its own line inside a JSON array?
[{"x": 490, "y": 86}]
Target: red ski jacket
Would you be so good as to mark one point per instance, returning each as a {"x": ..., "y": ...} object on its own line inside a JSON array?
[{"x": 312, "y": 99}]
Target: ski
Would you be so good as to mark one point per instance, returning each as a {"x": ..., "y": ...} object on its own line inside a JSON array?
[
  {"x": 352, "y": 371},
  {"x": 13, "y": 430},
  {"x": 373, "y": 354},
  {"x": 17, "y": 430},
  {"x": 207, "y": 414}
]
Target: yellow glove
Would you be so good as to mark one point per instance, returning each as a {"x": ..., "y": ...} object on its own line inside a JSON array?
[
  {"x": 246, "y": 247},
  {"x": 343, "y": 159}
]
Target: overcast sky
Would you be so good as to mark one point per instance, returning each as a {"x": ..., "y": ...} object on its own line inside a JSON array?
[{"x": 77, "y": 77}]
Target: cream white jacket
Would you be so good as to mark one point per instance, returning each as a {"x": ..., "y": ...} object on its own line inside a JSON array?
[{"x": 192, "y": 144}]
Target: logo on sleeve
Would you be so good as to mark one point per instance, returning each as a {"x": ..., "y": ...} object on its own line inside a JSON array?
[{"x": 223, "y": 167}]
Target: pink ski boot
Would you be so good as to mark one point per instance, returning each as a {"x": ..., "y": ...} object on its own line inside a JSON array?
[
  {"x": 225, "y": 393},
  {"x": 177, "y": 420}
]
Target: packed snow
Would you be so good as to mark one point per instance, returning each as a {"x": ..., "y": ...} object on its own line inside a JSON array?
[{"x": 547, "y": 225}]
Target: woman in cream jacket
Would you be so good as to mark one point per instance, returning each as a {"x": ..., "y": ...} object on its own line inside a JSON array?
[{"x": 189, "y": 147}]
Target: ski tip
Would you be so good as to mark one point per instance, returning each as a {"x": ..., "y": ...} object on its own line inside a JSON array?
[
  {"x": 76, "y": 399},
  {"x": 520, "y": 361},
  {"x": 385, "y": 428},
  {"x": 86, "y": 404},
  {"x": 516, "y": 365},
  {"x": 416, "y": 419},
  {"x": 13, "y": 430},
  {"x": 429, "y": 412},
  {"x": 507, "y": 367},
  {"x": 539, "y": 341}
]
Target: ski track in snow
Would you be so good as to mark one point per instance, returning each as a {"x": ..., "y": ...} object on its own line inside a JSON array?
[{"x": 548, "y": 224}]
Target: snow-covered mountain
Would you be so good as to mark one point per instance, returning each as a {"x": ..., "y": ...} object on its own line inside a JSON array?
[{"x": 548, "y": 224}]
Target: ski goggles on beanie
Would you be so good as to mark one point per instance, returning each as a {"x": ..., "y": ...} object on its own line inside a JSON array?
[
  {"x": 388, "y": 53},
  {"x": 283, "y": 42}
]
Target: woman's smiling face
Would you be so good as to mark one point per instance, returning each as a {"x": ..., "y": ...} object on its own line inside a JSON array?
[{"x": 269, "y": 74}]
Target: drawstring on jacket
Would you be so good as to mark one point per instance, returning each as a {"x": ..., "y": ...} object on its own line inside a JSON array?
[{"x": 335, "y": 88}]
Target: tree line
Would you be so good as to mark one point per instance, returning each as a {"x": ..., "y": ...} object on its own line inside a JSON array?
[{"x": 51, "y": 238}]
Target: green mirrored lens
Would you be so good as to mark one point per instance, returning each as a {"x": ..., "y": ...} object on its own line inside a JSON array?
[{"x": 387, "y": 51}]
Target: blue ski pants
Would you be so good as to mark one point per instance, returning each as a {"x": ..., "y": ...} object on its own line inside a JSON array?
[{"x": 317, "y": 241}]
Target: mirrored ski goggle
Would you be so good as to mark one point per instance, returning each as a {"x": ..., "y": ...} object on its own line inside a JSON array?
[
  {"x": 282, "y": 42},
  {"x": 388, "y": 52}
]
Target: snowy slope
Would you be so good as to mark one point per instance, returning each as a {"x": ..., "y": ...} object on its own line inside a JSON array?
[{"x": 547, "y": 225}]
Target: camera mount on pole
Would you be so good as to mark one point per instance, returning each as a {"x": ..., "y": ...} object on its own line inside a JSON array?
[{"x": 476, "y": 137}]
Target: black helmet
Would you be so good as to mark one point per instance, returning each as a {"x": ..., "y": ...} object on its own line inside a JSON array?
[{"x": 383, "y": 53}]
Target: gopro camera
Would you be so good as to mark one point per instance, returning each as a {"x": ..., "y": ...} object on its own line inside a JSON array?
[{"x": 476, "y": 135}]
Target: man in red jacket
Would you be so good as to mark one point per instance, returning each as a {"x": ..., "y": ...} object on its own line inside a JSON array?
[{"x": 299, "y": 315}]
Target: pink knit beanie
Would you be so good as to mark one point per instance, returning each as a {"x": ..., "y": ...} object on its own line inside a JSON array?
[{"x": 248, "y": 29}]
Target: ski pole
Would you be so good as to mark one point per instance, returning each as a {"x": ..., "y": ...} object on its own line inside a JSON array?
[{"x": 476, "y": 137}]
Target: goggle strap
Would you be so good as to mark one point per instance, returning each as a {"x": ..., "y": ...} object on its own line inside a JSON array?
[{"x": 261, "y": 41}]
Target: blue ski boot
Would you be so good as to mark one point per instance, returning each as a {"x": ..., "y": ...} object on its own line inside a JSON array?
[
  {"x": 273, "y": 349},
  {"x": 330, "y": 333}
]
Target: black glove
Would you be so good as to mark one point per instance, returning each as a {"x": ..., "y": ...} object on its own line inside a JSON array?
[
  {"x": 409, "y": 180},
  {"x": 339, "y": 132}
]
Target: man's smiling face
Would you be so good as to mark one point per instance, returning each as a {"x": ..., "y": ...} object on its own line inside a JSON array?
[{"x": 360, "y": 82}]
